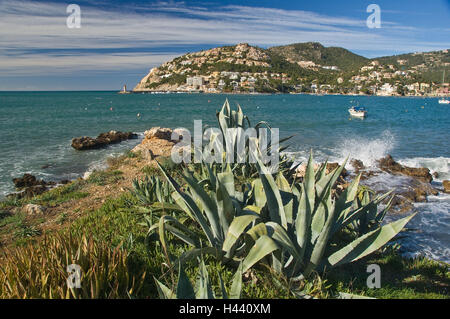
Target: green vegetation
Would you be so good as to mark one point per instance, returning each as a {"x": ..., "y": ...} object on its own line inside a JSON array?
[
  {"x": 105, "y": 177},
  {"x": 54, "y": 197},
  {"x": 234, "y": 230},
  {"x": 317, "y": 53}
]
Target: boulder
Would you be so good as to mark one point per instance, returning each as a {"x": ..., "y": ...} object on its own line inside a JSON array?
[
  {"x": 388, "y": 164},
  {"x": 332, "y": 166},
  {"x": 446, "y": 185},
  {"x": 27, "y": 180},
  {"x": 104, "y": 139},
  {"x": 357, "y": 165},
  {"x": 32, "y": 209},
  {"x": 162, "y": 133}
]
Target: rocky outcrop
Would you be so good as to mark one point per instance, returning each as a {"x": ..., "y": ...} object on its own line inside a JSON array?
[
  {"x": 27, "y": 180},
  {"x": 32, "y": 209},
  {"x": 388, "y": 164},
  {"x": 104, "y": 139},
  {"x": 157, "y": 142},
  {"x": 446, "y": 185},
  {"x": 29, "y": 186},
  {"x": 301, "y": 169},
  {"x": 357, "y": 165}
]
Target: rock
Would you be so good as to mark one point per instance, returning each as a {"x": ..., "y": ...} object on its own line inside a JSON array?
[
  {"x": 157, "y": 142},
  {"x": 162, "y": 133},
  {"x": 332, "y": 166},
  {"x": 104, "y": 139},
  {"x": 388, "y": 164},
  {"x": 27, "y": 180},
  {"x": 32, "y": 209},
  {"x": 300, "y": 171},
  {"x": 446, "y": 185},
  {"x": 357, "y": 165}
]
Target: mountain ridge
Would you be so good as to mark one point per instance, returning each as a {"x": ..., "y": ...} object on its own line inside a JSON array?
[{"x": 298, "y": 68}]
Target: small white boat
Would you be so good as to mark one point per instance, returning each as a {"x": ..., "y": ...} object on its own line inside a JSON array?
[
  {"x": 444, "y": 101},
  {"x": 357, "y": 111}
]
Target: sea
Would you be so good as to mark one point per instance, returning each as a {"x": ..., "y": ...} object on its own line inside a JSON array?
[{"x": 36, "y": 129}]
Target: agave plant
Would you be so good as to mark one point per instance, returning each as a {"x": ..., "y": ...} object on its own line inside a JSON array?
[
  {"x": 302, "y": 224},
  {"x": 221, "y": 214},
  {"x": 238, "y": 122},
  {"x": 151, "y": 189},
  {"x": 374, "y": 216},
  {"x": 204, "y": 290}
]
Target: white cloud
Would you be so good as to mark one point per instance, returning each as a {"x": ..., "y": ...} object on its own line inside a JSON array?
[{"x": 28, "y": 28}]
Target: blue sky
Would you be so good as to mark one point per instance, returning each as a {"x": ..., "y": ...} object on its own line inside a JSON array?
[{"x": 119, "y": 41}]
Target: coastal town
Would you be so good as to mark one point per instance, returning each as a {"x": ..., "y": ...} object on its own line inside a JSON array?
[{"x": 247, "y": 69}]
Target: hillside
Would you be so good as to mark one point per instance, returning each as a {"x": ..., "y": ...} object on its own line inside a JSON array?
[
  {"x": 299, "y": 68},
  {"x": 302, "y": 53}
]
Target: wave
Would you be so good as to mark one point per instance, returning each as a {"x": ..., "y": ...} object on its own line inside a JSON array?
[
  {"x": 364, "y": 149},
  {"x": 439, "y": 165}
]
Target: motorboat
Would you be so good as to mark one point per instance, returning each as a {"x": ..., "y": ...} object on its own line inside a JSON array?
[{"x": 357, "y": 111}]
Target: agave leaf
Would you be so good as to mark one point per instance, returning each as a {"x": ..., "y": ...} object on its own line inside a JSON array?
[
  {"x": 263, "y": 246},
  {"x": 222, "y": 287},
  {"x": 257, "y": 231},
  {"x": 309, "y": 182},
  {"x": 204, "y": 290},
  {"x": 344, "y": 295},
  {"x": 163, "y": 291},
  {"x": 236, "y": 229},
  {"x": 318, "y": 221},
  {"x": 368, "y": 243},
  {"x": 224, "y": 204},
  {"x": 184, "y": 286},
  {"x": 303, "y": 221},
  {"x": 191, "y": 205},
  {"x": 322, "y": 241},
  {"x": 236, "y": 285},
  {"x": 274, "y": 201},
  {"x": 208, "y": 205},
  {"x": 197, "y": 252},
  {"x": 345, "y": 201},
  {"x": 280, "y": 236},
  {"x": 163, "y": 206},
  {"x": 354, "y": 215},
  {"x": 258, "y": 193}
]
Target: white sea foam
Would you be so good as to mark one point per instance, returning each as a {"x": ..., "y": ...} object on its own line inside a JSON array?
[
  {"x": 439, "y": 165},
  {"x": 364, "y": 149}
]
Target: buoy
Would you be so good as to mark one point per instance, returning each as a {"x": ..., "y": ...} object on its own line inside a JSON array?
[
  {"x": 139, "y": 115},
  {"x": 111, "y": 108}
]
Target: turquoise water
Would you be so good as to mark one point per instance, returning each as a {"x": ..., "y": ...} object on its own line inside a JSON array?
[{"x": 36, "y": 129}]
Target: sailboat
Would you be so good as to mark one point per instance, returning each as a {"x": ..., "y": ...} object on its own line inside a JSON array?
[{"x": 444, "y": 100}]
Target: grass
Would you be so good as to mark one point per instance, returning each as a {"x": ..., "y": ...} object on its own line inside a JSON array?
[
  {"x": 400, "y": 277},
  {"x": 53, "y": 197},
  {"x": 102, "y": 178}
]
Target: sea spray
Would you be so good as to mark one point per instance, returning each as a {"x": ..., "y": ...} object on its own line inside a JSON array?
[{"x": 366, "y": 150}]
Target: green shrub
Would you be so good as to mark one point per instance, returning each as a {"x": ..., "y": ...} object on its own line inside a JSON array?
[{"x": 40, "y": 271}]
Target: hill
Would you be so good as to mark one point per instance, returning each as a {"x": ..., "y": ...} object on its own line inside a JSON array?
[
  {"x": 320, "y": 55},
  {"x": 299, "y": 68}
]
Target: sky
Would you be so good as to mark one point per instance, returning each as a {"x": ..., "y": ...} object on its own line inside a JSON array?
[{"x": 118, "y": 42}]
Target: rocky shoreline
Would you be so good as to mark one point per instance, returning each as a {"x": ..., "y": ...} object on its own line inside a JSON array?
[
  {"x": 102, "y": 140},
  {"x": 157, "y": 142}
]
